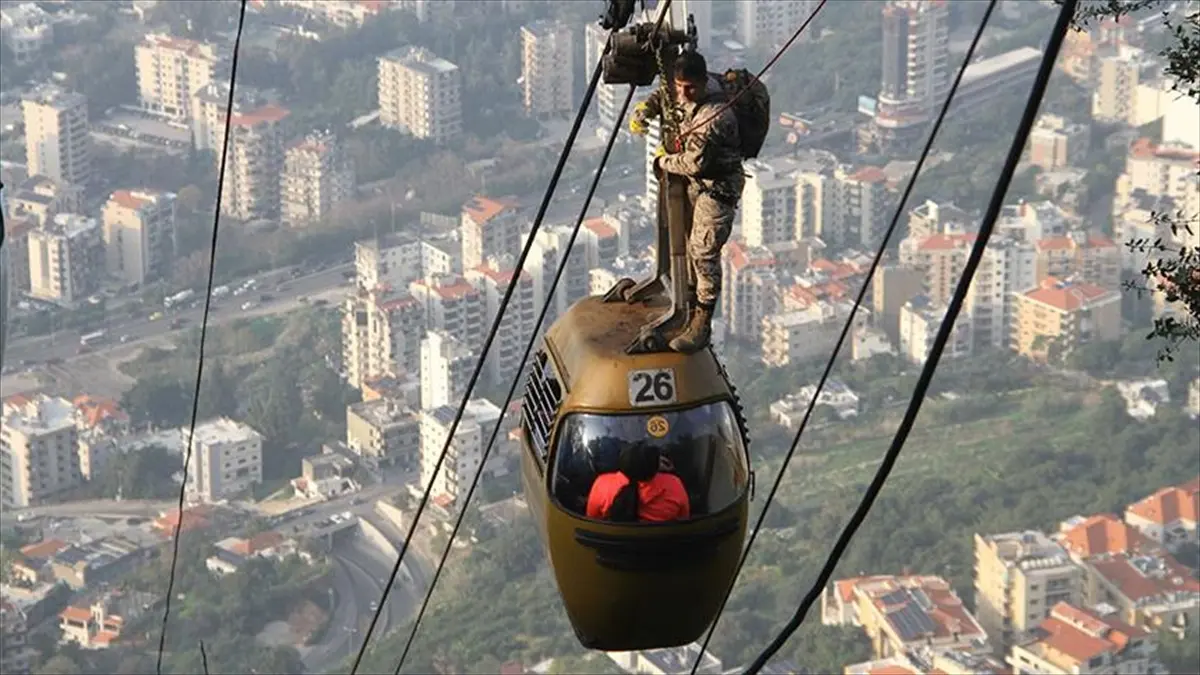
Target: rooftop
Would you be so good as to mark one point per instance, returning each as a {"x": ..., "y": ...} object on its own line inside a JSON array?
[
  {"x": 1071, "y": 636},
  {"x": 55, "y": 97},
  {"x": 39, "y": 414},
  {"x": 1066, "y": 296},
  {"x": 1169, "y": 505},
  {"x": 224, "y": 430}
]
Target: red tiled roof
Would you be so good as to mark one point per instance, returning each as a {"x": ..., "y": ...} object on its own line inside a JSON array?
[
  {"x": 267, "y": 113},
  {"x": 1102, "y": 534},
  {"x": 482, "y": 209},
  {"x": 869, "y": 174},
  {"x": 1068, "y": 297},
  {"x": 1169, "y": 505},
  {"x": 43, "y": 549},
  {"x": 1135, "y": 585},
  {"x": 78, "y": 614},
  {"x": 127, "y": 200},
  {"x": 600, "y": 228},
  {"x": 945, "y": 242},
  {"x": 96, "y": 410}
]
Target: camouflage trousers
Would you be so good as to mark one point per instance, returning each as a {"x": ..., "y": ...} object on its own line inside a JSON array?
[{"x": 712, "y": 222}]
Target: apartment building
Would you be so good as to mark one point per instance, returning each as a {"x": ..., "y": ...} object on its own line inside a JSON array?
[
  {"x": 891, "y": 287},
  {"x": 381, "y": 334},
  {"x": 1160, "y": 170},
  {"x": 750, "y": 289},
  {"x": 420, "y": 93},
  {"x": 57, "y": 142},
  {"x": 66, "y": 259},
  {"x": 1019, "y": 577},
  {"x": 1074, "y": 641},
  {"x": 1056, "y": 142},
  {"x": 902, "y": 614},
  {"x": 609, "y": 97},
  {"x": 767, "y": 24},
  {"x": 452, "y": 305},
  {"x": 1117, "y": 69},
  {"x": 386, "y": 431},
  {"x": 465, "y": 451},
  {"x": 803, "y": 334},
  {"x": 492, "y": 279},
  {"x": 546, "y": 255},
  {"x": 916, "y": 69},
  {"x": 396, "y": 259},
  {"x": 1089, "y": 257},
  {"x": 930, "y": 218},
  {"x": 1058, "y": 316},
  {"x": 547, "y": 68},
  {"x": 26, "y": 29},
  {"x": 226, "y": 459},
  {"x": 446, "y": 366},
  {"x": 769, "y": 201},
  {"x": 255, "y": 162},
  {"x": 489, "y": 228},
  {"x": 317, "y": 177},
  {"x": 139, "y": 235},
  {"x": 920, "y": 319},
  {"x": 39, "y": 198},
  {"x": 39, "y": 446},
  {"x": 170, "y": 70}
]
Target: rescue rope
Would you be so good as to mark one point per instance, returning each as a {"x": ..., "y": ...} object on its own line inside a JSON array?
[
  {"x": 491, "y": 336},
  {"x": 212, "y": 266},
  {"x": 846, "y": 327},
  {"x": 1065, "y": 15}
]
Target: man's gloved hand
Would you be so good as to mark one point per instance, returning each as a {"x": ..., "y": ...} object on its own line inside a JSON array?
[
  {"x": 658, "y": 155},
  {"x": 637, "y": 121}
]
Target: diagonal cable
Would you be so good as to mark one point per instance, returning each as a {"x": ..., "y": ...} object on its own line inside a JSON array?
[
  {"x": 212, "y": 266},
  {"x": 516, "y": 381},
  {"x": 848, "y": 325},
  {"x": 491, "y": 336},
  {"x": 943, "y": 335}
]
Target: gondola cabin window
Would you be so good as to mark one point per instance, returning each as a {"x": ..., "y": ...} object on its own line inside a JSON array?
[{"x": 539, "y": 408}]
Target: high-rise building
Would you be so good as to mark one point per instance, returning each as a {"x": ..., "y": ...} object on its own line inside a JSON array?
[
  {"x": 916, "y": 69},
  {"x": 608, "y": 96},
  {"x": 489, "y": 228},
  {"x": 465, "y": 452},
  {"x": 767, "y": 23},
  {"x": 39, "y": 453},
  {"x": 1019, "y": 577},
  {"x": 420, "y": 93},
  {"x": 254, "y": 163},
  {"x": 57, "y": 143},
  {"x": 170, "y": 70},
  {"x": 547, "y": 68},
  {"x": 446, "y": 365},
  {"x": 317, "y": 176},
  {"x": 66, "y": 259},
  {"x": 139, "y": 235}
]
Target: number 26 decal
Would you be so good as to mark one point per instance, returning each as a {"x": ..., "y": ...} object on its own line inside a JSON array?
[{"x": 652, "y": 387}]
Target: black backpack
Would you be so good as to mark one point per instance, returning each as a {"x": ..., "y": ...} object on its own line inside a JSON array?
[{"x": 751, "y": 108}]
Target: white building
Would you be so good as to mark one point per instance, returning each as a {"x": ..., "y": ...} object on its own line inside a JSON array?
[
  {"x": 465, "y": 451},
  {"x": 226, "y": 459},
  {"x": 446, "y": 366}
]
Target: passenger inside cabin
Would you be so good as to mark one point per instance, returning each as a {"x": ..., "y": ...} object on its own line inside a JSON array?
[{"x": 641, "y": 490}]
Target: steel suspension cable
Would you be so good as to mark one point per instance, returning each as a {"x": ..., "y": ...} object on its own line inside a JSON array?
[
  {"x": 516, "y": 381},
  {"x": 1065, "y": 15},
  {"x": 849, "y": 323},
  {"x": 491, "y": 336},
  {"x": 212, "y": 266}
]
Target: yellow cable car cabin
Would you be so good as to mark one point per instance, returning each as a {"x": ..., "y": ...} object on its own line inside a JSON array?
[{"x": 641, "y": 584}]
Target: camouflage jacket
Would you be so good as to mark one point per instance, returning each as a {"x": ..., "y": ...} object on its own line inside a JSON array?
[{"x": 711, "y": 155}]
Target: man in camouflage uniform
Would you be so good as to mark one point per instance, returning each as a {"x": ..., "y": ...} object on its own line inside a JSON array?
[{"x": 711, "y": 159}]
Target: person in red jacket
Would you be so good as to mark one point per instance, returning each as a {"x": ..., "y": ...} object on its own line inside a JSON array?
[{"x": 640, "y": 490}]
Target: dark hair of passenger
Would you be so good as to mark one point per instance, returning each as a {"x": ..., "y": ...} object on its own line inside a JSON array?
[
  {"x": 691, "y": 67},
  {"x": 639, "y": 463}
]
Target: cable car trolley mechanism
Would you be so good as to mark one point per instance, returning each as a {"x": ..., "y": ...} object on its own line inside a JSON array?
[{"x": 635, "y": 460}]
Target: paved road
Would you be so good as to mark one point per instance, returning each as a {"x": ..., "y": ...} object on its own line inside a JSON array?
[
  {"x": 95, "y": 509},
  {"x": 65, "y": 344}
]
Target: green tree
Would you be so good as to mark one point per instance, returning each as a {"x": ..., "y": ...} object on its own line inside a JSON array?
[
  {"x": 140, "y": 474},
  {"x": 60, "y": 665},
  {"x": 1173, "y": 266},
  {"x": 1180, "y": 655},
  {"x": 160, "y": 400}
]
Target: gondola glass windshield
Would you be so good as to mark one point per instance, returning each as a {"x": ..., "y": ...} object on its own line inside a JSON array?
[{"x": 700, "y": 446}]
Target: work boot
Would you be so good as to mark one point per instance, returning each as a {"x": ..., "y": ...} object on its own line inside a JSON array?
[{"x": 696, "y": 334}]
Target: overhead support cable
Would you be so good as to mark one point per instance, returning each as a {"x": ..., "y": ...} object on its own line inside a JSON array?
[
  {"x": 212, "y": 266},
  {"x": 1061, "y": 26},
  {"x": 491, "y": 336},
  {"x": 849, "y": 323}
]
